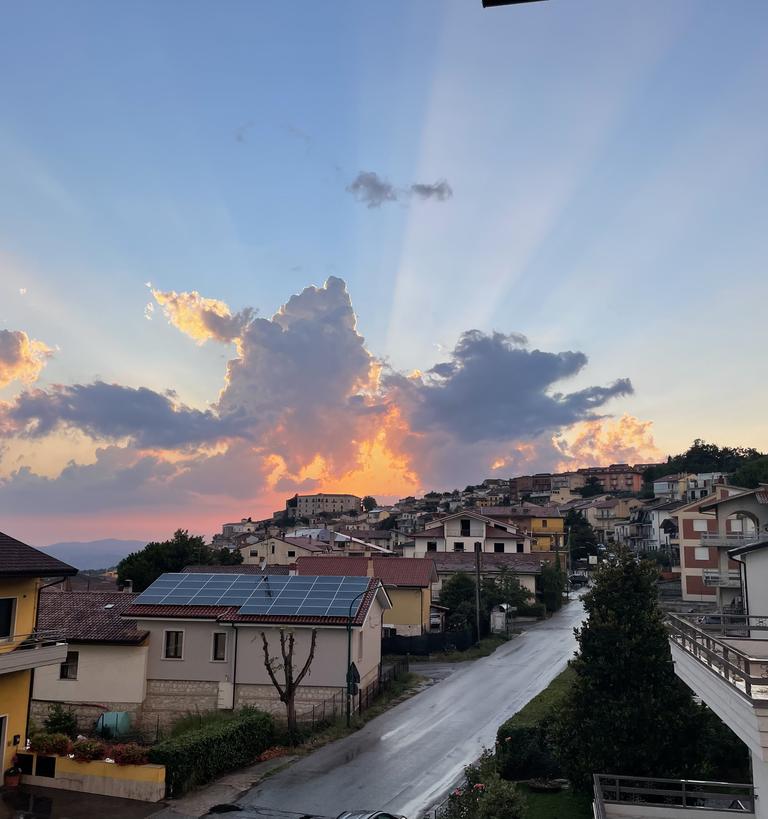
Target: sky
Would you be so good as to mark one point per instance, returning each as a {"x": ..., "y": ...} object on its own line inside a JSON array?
[{"x": 249, "y": 249}]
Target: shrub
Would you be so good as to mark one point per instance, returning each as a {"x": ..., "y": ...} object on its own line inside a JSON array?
[
  {"x": 198, "y": 756},
  {"x": 532, "y": 610},
  {"x": 130, "y": 754},
  {"x": 61, "y": 720},
  {"x": 483, "y": 795},
  {"x": 525, "y": 751},
  {"x": 48, "y": 743},
  {"x": 87, "y": 750}
]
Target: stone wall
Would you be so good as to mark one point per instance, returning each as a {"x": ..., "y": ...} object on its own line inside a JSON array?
[
  {"x": 167, "y": 700},
  {"x": 265, "y": 697},
  {"x": 86, "y": 713}
]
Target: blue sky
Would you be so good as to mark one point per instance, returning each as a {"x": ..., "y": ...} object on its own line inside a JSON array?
[{"x": 607, "y": 159}]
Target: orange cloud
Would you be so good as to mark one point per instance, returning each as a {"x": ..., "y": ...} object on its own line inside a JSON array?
[
  {"x": 592, "y": 443},
  {"x": 201, "y": 318},
  {"x": 21, "y": 357}
]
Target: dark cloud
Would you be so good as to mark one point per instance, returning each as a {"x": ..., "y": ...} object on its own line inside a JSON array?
[
  {"x": 113, "y": 412},
  {"x": 440, "y": 191},
  {"x": 495, "y": 389},
  {"x": 368, "y": 188}
]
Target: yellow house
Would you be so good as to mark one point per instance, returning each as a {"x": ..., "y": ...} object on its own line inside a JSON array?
[
  {"x": 545, "y": 524},
  {"x": 407, "y": 580},
  {"x": 22, "y": 647}
]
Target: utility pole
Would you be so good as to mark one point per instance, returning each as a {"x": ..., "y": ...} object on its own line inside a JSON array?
[{"x": 478, "y": 548}]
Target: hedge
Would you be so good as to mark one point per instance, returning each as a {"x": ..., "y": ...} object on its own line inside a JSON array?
[
  {"x": 524, "y": 747},
  {"x": 201, "y": 755},
  {"x": 532, "y": 610}
]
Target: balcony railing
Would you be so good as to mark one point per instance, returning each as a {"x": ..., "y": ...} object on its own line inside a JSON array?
[
  {"x": 730, "y": 541},
  {"x": 729, "y": 580},
  {"x": 32, "y": 650},
  {"x": 725, "y": 797},
  {"x": 712, "y": 640}
]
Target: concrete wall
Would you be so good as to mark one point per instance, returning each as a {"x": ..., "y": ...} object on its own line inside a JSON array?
[
  {"x": 105, "y": 674},
  {"x": 410, "y": 610},
  {"x": 14, "y": 693},
  {"x": 664, "y": 812},
  {"x": 757, "y": 582}
]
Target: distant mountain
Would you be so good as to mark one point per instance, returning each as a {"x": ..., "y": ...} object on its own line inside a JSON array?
[{"x": 94, "y": 554}]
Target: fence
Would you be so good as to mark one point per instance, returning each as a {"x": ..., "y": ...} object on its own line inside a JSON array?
[{"x": 425, "y": 644}]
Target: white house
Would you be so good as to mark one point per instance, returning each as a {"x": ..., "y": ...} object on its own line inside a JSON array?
[{"x": 459, "y": 532}]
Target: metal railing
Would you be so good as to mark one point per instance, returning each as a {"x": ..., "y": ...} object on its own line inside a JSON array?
[
  {"x": 41, "y": 638},
  {"x": 730, "y": 541},
  {"x": 707, "y": 641},
  {"x": 727, "y": 797},
  {"x": 729, "y": 579}
]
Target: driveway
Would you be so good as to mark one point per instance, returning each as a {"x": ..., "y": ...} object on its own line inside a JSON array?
[{"x": 404, "y": 761}]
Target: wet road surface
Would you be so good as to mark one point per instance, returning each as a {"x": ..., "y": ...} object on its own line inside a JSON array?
[{"x": 404, "y": 761}]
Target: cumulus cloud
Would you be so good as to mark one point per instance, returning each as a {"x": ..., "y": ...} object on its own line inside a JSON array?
[
  {"x": 21, "y": 358},
  {"x": 113, "y": 412},
  {"x": 621, "y": 440},
  {"x": 201, "y": 318},
  {"x": 494, "y": 388},
  {"x": 373, "y": 191},
  {"x": 439, "y": 190}
]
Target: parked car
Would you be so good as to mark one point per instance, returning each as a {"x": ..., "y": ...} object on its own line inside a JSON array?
[{"x": 578, "y": 580}]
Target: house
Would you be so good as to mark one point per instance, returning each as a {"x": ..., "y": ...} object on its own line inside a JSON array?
[
  {"x": 377, "y": 537},
  {"x": 310, "y": 506},
  {"x": 727, "y": 666},
  {"x": 650, "y": 527},
  {"x": 407, "y": 580},
  {"x": 281, "y": 551},
  {"x": 460, "y": 532},
  {"x": 526, "y": 567},
  {"x": 337, "y": 542},
  {"x": 525, "y": 485},
  {"x": 545, "y": 524},
  {"x": 240, "y": 568},
  {"x": 206, "y": 647},
  {"x": 24, "y": 648},
  {"x": 105, "y": 668},
  {"x": 687, "y": 487},
  {"x": 603, "y": 514}
]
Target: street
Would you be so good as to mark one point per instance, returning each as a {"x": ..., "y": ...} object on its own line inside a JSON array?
[{"x": 405, "y": 760}]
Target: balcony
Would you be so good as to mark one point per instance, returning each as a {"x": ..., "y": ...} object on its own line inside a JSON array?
[
  {"x": 25, "y": 651},
  {"x": 724, "y": 580},
  {"x": 729, "y": 541},
  {"x": 617, "y": 797}
]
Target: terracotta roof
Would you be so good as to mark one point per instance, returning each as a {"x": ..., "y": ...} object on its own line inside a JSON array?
[
  {"x": 19, "y": 560},
  {"x": 307, "y": 543},
  {"x": 434, "y": 531},
  {"x": 398, "y": 571},
  {"x": 230, "y": 614},
  {"x": 465, "y": 562},
  {"x": 240, "y": 568},
  {"x": 89, "y": 617}
]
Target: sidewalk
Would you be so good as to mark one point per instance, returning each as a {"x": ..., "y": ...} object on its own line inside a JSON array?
[{"x": 223, "y": 791}]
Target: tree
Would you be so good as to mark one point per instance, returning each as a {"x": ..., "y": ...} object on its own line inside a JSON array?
[
  {"x": 369, "y": 502},
  {"x": 751, "y": 474},
  {"x": 183, "y": 549},
  {"x": 582, "y": 540},
  {"x": 458, "y": 595},
  {"x": 627, "y": 712},
  {"x": 291, "y": 680},
  {"x": 592, "y": 487},
  {"x": 552, "y": 581},
  {"x": 457, "y": 589}
]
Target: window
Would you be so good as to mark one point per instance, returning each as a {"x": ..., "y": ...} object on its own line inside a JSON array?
[
  {"x": 702, "y": 553},
  {"x": 700, "y": 525},
  {"x": 544, "y": 524},
  {"x": 465, "y": 527},
  {"x": 431, "y": 546},
  {"x": 498, "y": 547},
  {"x": 68, "y": 669},
  {"x": 458, "y": 546},
  {"x": 7, "y": 608},
  {"x": 273, "y": 548},
  {"x": 254, "y": 553},
  {"x": 219, "y": 646},
  {"x": 736, "y": 525},
  {"x": 291, "y": 553},
  {"x": 174, "y": 645},
  {"x": 520, "y": 548}
]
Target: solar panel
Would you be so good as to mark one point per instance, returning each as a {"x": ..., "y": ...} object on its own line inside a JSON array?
[{"x": 275, "y": 595}]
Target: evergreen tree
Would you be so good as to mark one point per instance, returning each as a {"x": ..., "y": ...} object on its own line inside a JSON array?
[
  {"x": 581, "y": 536},
  {"x": 627, "y": 712}
]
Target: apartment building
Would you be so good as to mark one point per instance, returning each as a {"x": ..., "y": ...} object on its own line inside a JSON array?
[
  {"x": 24, "y": 647},
  {"x": 687, "y": 486},
  {"x": 615, "y": 478},
  {"x": 309, "y": 506},
  {"x": 523, "y": 485}
]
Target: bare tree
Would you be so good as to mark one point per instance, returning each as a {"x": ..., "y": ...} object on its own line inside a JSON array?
[{"x": 287, "y": 691}]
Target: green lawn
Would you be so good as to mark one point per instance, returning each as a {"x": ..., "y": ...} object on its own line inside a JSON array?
[
  {"x": 541, "y": 705},
  {"x": 562, "y": 805}
]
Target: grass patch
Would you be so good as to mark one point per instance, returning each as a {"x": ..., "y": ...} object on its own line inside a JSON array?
[
  {"x": 560, "y": 805},
  {"x": 543, "y": 704},
  {"x": 487, "y": 646},
  {"x": 203, "y": 719}
]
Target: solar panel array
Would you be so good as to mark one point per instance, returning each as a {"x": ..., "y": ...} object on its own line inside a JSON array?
[{"x": 277, "y": 595}]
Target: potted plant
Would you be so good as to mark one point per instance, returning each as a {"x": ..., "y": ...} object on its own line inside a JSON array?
[{"x": 12, "y": 776}]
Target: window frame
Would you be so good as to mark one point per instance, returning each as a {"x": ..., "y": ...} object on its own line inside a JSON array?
[
  {"x": 458, "y": 546},
  {"x": 166, "y": 632},
  {"x": 214, "y": 658},
  {"x": 498, "y": 550},
  {"x": 7, "y": 638},
  {"x": 68, "y": 664}
]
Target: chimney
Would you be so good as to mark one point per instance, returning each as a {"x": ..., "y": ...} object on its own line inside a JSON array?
[
  {"x": 370, "y": 566},
  {"x": 128, "y": 587}
]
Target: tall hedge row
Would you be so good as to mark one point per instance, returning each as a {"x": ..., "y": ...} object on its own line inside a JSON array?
[{"x": 201, "y": 755}]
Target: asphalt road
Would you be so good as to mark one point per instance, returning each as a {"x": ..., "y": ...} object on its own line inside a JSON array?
[{"x": 404, "y": 761}]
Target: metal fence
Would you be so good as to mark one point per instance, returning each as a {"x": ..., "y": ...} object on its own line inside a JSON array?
[
  {"x": 729, "y": 797},
  {"x": 424, "y": 644}
]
